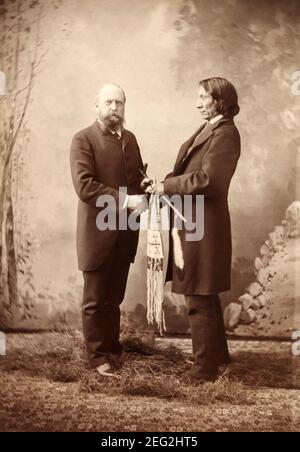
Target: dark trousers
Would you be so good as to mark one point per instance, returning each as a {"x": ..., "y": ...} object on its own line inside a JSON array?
[
  {"x": 104, "y": 290},
  {"x": 209, "y": 342}
]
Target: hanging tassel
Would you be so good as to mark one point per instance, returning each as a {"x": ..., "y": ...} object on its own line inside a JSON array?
[
  {"x": 155, "y": 274},
  {"x": 155, "y": 293}
]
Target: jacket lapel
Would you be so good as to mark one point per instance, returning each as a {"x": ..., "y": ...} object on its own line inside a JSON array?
[
  {"x": 204, "y": 135},
  {"x": 125, "y": 139},
  {"x": 184, "y": 149},
  {"x": 196, "y": 143}
]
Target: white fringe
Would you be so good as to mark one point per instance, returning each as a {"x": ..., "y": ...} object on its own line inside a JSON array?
[
  {"x": 155, "y": 293},
  {"x": 155, "y": 272}
]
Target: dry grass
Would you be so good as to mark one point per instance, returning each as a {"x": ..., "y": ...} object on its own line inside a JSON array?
[{"x": 148, "y": 372}]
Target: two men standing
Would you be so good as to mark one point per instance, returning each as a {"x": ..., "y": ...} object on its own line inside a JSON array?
[{"x": 105, "y": 157}]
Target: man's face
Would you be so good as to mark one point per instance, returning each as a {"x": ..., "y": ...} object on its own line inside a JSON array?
[
  {"x": 110, "y": 107},
  {"x": 206, "y": 104}
]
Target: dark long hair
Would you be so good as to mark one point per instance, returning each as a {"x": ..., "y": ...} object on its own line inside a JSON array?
[{"x": 224, "y": 93}]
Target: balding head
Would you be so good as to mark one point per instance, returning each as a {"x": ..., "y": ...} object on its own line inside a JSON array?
[
  {"x": 109, "y": 90},
  {"x": 110, "y": 105}
]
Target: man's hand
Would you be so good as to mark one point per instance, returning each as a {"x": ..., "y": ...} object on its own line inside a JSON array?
[
  {"x": 145, "y": 184},
  {"x": 150, "y": 187},
  {"x": 137, "y": 203},
  {"x": 156, "y": 189}
]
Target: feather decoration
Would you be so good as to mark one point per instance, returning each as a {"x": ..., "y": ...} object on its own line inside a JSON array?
[{"x": 177, "y": 249}]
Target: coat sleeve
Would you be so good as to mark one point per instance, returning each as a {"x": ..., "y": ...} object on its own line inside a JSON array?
[
  {"x": 86, "y": 184},
  {"x": 217, "y": 169},
  {"x": 169, "y": 175}
]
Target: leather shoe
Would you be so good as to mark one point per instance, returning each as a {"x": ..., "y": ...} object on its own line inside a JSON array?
[{"x": 105, "y": 370}]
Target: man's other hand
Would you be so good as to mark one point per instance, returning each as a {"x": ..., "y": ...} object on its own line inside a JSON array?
[{"x": 157, "y": 188}]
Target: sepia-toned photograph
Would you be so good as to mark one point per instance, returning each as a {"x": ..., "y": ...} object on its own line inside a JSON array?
[{"x": 149, "y": 218}]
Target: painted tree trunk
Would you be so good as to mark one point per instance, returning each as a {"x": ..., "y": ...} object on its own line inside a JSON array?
[{"x": 12, "y": 279}]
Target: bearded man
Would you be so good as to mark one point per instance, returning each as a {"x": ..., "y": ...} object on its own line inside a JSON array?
[{"x": 105, "y": 159}]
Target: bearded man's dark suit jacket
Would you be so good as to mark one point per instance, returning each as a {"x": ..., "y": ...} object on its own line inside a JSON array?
[
  {"x": 205, "y": 167},
  {"x": 101, "y": 164}
]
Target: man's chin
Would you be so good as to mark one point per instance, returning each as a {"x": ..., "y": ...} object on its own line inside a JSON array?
[
  {"x": 206, "y": 117},
  {"x": 113, "y": 122},
  {"x": 114, "y": 125}
]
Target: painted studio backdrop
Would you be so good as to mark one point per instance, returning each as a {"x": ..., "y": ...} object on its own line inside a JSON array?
[{"x": 57, "y": 54}]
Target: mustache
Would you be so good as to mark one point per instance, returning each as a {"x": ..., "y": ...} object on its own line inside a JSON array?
[{"x": 116, "y": 115}]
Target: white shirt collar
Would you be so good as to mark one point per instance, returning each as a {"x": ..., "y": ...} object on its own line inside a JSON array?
[
  {"x": 118, "y": 131},
  {"x": 215, "y": 119}
]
